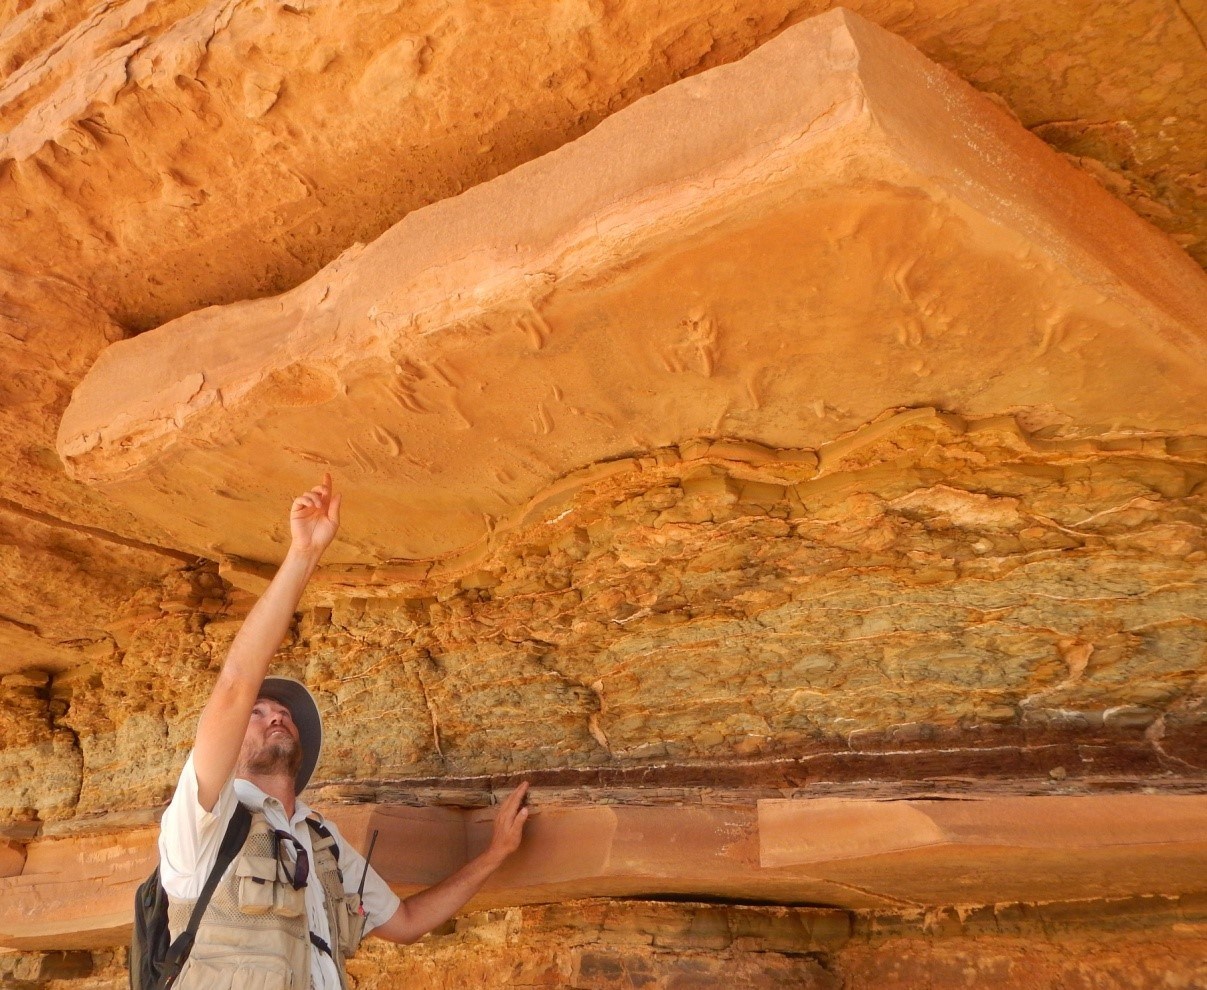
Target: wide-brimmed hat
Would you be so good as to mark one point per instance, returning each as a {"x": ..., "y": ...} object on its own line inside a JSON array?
[{"x": 295, "y": 696}]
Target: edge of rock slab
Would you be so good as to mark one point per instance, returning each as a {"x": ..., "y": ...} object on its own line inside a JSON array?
[
  {"x": 1042, "y": 196},
  {"x": 808, "y": 832}
]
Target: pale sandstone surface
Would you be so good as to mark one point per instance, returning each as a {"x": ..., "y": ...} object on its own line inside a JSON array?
[
  {"x": 617, "y": 295},
  {"x": 78, "y": 892}
]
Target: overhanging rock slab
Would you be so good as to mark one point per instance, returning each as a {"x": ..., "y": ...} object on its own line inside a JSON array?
[{"x": 777, "y": 250}]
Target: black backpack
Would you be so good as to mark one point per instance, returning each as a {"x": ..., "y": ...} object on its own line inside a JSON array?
[{"x": 154, "y": 962}]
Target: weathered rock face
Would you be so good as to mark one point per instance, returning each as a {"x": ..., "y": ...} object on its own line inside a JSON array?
[
  {"x": 588, "y": 945},
  {"x": 941, "y": 583},
  {"x": 601, "y": 945},
  {"x": 66, "y": 573},
  {"x": 802, "y": 445}
]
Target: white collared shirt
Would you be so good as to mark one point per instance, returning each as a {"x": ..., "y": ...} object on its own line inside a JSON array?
[{"x": 189, "y": 837}]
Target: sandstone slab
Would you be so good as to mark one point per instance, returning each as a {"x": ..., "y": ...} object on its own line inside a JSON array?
[
  {"x": 729, "y": 277},
  {"x": 76, "y": 892}
]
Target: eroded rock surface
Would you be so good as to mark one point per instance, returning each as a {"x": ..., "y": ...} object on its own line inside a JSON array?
[
  {"x": 66, "y": 573},
  {"x": 609, "y": 945},
  {"x": 940, "y": 584}
]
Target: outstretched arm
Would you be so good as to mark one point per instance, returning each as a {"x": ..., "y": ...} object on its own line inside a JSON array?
[
  {"x": 313, "y": 522},
  {"x": 431, "y": 908}
]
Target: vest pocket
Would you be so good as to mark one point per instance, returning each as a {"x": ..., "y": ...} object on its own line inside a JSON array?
[
  {"x": 351, "y": 925},
  {"x": 235, "y": 972},
  {"x": 264, "y": 888},
  {"x": 287, "y": 902},
  {"x": 257, "y": 883}
]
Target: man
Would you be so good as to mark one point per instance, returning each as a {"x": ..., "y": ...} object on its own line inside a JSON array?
[{"x": 284, "y": 914}]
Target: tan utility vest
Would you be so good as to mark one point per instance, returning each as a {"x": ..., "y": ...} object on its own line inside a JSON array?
[{"x": 254, "y": 935}]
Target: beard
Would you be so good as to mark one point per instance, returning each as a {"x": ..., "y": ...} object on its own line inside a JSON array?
[{"x": 280, "y": 754}]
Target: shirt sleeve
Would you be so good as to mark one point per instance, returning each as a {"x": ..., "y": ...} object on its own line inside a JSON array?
[
  {"x": 189, "y": 836},
  {"x": 379, "y": 902}
]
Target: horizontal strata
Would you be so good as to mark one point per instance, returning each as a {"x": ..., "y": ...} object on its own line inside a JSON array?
[
  {"x": 783, "y": 482},
  {"x": 1010, "y": 606},
  {"x": 832, "y": 226},
  {"x": 844, "y": 853}
]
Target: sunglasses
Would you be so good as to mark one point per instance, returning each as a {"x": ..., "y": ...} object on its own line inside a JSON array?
[{"x": 301, "y": 871}]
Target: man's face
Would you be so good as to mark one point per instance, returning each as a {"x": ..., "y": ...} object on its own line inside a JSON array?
[{"x": 271, "y": 744}]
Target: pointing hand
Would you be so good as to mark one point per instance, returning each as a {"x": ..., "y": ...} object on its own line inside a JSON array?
[{"x": 314, "y": 518}]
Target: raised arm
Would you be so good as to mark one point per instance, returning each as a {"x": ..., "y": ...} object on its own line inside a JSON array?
[
  {"x": 313, "y": 523},
  {"x": 431, "y": 908}
]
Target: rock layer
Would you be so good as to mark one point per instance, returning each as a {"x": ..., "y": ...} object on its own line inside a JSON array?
[
  {"x": 946, "y": 585},
  {"x": 74, "y": 892}
]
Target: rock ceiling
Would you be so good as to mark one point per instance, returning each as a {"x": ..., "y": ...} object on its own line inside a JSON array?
[{"x": 734, "y": 406}]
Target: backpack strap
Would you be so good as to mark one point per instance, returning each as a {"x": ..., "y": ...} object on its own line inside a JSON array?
[
  {"x": 232, "y": 842},
  {"x": 323, "y": 832}
]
